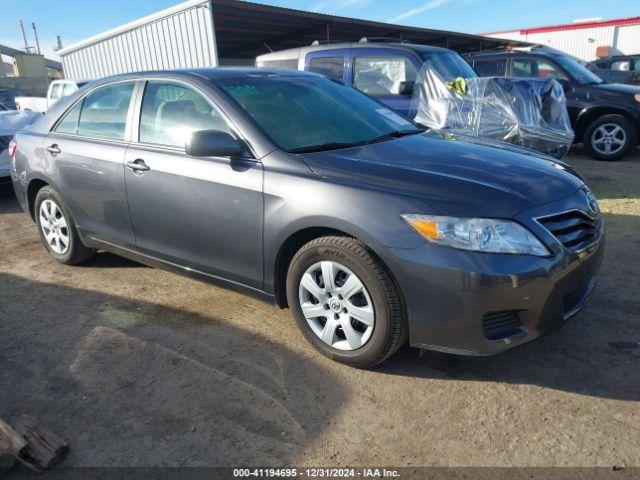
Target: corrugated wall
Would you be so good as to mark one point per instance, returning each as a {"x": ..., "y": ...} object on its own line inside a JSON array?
[
  {"x": 579, "y": 43},
  {"x": 582, "y": 43},
  {"x": 182, "y": 39}
]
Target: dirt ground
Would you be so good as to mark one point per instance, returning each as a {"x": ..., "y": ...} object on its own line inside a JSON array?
[{"x": 139, "y": 367}]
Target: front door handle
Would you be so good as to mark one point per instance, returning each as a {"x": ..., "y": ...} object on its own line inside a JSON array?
[
  {"x": 137, "y": 165},
  {"x": 53, "y": 149}
]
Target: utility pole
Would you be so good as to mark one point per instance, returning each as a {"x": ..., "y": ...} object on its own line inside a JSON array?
[
  {"x": 58, "y": 44},
  {"x": 24, "y": 37},
  {"x": 35, "y": 34}
]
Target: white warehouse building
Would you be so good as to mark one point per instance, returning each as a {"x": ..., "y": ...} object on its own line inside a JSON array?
[{"x": 586, "y": 40}]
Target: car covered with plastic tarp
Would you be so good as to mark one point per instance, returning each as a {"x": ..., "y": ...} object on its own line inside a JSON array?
[{"x": 530, "y": 113}]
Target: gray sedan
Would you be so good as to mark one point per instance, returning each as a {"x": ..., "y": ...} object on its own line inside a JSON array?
[{"x": 293, "y": 188}]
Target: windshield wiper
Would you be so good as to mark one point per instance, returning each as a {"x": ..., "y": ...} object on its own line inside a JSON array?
[
  {"x": 394, "y": 134},
  {"x": 325, "y": 146}
]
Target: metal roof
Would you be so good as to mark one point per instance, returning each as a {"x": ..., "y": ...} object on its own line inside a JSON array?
[{"x": 246, "y": 30}]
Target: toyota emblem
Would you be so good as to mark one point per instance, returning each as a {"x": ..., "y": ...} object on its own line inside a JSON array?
[{"x": 592, "y": 203}]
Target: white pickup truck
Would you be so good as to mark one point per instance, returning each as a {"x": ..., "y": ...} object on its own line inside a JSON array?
[{"x": 57, "y": 89}]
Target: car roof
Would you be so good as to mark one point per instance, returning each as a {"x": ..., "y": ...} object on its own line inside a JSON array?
[
  {"x": 299, "y": 52},
  {"x": 210, "y": 74},
  {"x": 511, "y": 51}
]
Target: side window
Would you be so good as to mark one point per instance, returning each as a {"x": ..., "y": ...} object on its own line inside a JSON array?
[
  {"x": 170, "y": 112},
  {"x": 104, "y": 111},
  {"x": 68, "y": 89},
  {"x": 332, "y": 67},
  {"x": 523, "y": 68},
  {"x": 69, "y": 123},
  {"x": 377, "y": 76},
  {"x": 56, "y": 91},
  {"x": 635, "y": 63},
  {"x": 491, "y": 67},
  {"x": 620, "y": 65},
  {"x": 536, "y": 67}
]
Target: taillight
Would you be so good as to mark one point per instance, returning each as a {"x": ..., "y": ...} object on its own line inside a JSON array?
[{"x": 13, "y": 148}]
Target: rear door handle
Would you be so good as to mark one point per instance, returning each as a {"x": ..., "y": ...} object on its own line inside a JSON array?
[
  {"x": 137, "y": 165},
  {"x": 53, "y": 149}
]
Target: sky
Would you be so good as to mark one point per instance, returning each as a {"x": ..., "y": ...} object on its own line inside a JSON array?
[{"x": 75, "y": 20}]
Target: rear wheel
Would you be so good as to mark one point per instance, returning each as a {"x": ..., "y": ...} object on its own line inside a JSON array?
[
  {"x": 345, "y": 303},
  {"x": 57, "y": 230},
  {"x": 610, "y": 137}
]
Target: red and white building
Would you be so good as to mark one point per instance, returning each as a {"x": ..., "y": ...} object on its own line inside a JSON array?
[{"x": 583, "y": 38}]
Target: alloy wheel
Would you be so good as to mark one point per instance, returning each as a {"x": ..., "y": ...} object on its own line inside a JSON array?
[
  {"x": 608, "y": 139},
  {"x": 54, "y": 227},
  {"x": 336, "y": 305}
]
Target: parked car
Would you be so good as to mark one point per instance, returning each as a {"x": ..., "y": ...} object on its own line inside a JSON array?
[
  {"x": 10, "y": 122},
  {"x": 8, "y": 96},
  {"x": 618, "y": 69},
  {"x": 57, "y": 89},
  {"x": 299, "y": 190},
  {"x": 604, "y": 116},
  {"x": 381, "y": 68}
]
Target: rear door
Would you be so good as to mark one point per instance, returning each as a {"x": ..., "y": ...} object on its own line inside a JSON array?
[
  {"x": 85, "y": 152},
  {"x": 387, "y": 75},
  {"x": 201, "y": 213}
]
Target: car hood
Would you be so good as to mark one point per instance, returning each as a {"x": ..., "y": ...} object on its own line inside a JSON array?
[{"x": 455, "y": 177}]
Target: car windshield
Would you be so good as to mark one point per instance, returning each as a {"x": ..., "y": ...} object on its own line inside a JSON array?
[
  {"x": 578, "y": 71},
  {"x": 449, "y": 65},
  {"x": 312, "y": 113}
]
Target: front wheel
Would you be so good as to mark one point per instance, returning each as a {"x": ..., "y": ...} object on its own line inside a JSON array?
[
  {"x": 57, "y": 230},
  {"x": 345, "y": 303},
  {"x": 610, "y": 137}
]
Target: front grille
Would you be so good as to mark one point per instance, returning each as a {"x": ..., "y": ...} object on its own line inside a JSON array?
[
  {"x": 4, "y": 142},
  {"x": 499, "y": 325},
  {"x": 575, "y": 229}
]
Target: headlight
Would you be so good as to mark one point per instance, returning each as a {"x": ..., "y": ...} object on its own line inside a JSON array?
[
  {"x": 637, "y": 97},
  {"x": 477, "y": 234}
]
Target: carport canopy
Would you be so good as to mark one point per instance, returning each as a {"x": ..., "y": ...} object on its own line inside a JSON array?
[{"x": 246, "y": 30}]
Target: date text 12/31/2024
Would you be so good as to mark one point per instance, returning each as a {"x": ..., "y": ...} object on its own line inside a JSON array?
[{"x": 315, "y": 473}]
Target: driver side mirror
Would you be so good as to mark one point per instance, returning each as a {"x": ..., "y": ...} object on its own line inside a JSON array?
[
  {"x": 406, "y": 88},
  {"x": 213, "y": 143}
]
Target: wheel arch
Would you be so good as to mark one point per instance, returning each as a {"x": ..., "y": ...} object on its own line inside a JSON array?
[
  {"x": 35, "y": 185},
  {"x": 295, "y": 241},
  {"x": 588, "y": 116}
]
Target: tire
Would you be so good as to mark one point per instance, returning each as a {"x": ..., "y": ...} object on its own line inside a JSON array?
[
  {"x": 66, "y": 247},
  {"x": 621, "y": 142},
  {"x": 378, "y": 297}
]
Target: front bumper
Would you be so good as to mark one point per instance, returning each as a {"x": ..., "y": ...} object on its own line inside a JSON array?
[{"x": 452, "y": 295}]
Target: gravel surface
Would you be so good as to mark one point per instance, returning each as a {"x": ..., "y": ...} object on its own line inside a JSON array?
[{"x": 137, "y": 366}]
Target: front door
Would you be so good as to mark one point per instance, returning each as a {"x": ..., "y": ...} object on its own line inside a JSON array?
[
  {"x": 87, "y": 148},
  {"x": 200, "y": 213}
]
